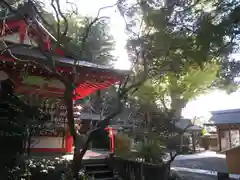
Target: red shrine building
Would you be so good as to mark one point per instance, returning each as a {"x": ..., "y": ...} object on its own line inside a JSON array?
[{"x": 24, "y": 40}]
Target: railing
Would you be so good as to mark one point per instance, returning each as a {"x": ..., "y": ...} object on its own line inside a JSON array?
[{"x": 133, "y": 170}]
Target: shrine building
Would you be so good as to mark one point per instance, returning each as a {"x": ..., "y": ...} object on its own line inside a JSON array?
[{"x": 23, "y": 40}]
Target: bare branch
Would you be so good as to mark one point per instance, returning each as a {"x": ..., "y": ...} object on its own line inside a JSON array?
[
  {"x": 73, "y": 5},
  {"x": 58, "y": 19},
  {"x": 65, "y": 21}
]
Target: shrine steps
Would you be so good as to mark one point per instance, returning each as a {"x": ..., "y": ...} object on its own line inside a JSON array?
[{"x": 98, "y": 169}]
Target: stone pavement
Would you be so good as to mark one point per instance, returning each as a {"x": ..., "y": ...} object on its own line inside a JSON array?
[
  {"x": 210, "y": 163},
  {"x": 196, "y": 176},
  {"x": 201, "y": 166}
]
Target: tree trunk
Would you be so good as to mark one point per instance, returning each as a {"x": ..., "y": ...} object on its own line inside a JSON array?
[
  {"x": 177, "y": 105},
  {"x": 79, "y": 153},
  {"x": 29, "y": 139},
  {"x": 76, "y": 163},
  {"x": 77, "y": 159}
]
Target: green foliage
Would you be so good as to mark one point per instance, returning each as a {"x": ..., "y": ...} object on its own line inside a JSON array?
[
  {"x": 99, "y": 43},
  {"x": 146, "y": 94},
  {"x": 151, "y": 151},
  {"x": 16, "y": 117},
  {"x": 122, "y": 145},
  {"x": 191, "y": 83},
  {"x": 49, "y": 168},
  {"x": 174, "y": 91},
  {"x": 187, "y": 47}
]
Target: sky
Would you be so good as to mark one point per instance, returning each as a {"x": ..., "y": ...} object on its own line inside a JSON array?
[
  {"x": 117, "y": 24},
  {"x": 200, "y": 107}
]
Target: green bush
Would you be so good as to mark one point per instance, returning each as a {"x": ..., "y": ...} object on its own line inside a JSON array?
[
  {"x": 122, "y": 145},
  {"x": 151, "y": 152}
]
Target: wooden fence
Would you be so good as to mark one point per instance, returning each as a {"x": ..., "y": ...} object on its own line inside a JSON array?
[{"x": 133, "y": 170}]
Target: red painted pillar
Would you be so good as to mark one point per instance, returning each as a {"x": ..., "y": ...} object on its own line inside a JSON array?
[
  {"x": 47, "y": 44},
  {"x": 111, "y": 136},
  {"x": 22, "y": 32},
  {"x": 113, "y": 144},
  {"x": 69, "y": 141}
]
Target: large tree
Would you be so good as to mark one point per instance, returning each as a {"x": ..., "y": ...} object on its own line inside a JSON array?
[
  {"x": 99, "y": 44},
  {"x": 62, "y": 40},
  {"x": 189, "y": 47},
  {"x": 174, "y": 37},
  {"x": 173, "y": 92}
]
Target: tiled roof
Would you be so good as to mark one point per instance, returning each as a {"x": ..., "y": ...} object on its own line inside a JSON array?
[
  {"x": 36, "y": 53},
  {"x": 226, "y": 117},
  {"x": 183, "y": 123},
  {"x": 186, "y": 124},
  {"x": 27, "y": 10}
]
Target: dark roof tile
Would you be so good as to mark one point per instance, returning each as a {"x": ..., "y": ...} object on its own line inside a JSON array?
[{"x": 231, "y": 116}]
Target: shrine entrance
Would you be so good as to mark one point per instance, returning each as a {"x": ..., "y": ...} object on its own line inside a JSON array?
[
  {"x": 53, "y": 135},
  {"x": 102, "y": 141}
]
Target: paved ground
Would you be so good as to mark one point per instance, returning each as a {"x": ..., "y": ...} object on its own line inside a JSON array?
[
  {"x": 90, "y": 154},
  {"x": 210, "y": 163},
  {"x": 202, "y": 166},
  {"x": 195, "y": 176}
]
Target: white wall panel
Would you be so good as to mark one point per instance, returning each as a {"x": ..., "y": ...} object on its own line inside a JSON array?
[{"x": 47, "y": 142}]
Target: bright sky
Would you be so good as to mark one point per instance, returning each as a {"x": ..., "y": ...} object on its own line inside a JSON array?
[
  {"x": 117, "y": 25},
  {"x": 201, "y": 106},
  {"x": 216, "y": 100}
]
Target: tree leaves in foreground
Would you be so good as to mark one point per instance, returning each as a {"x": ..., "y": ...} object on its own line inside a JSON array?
[
  {"x": 189, "y": 46},
  {"x": 99, "y": 44}
]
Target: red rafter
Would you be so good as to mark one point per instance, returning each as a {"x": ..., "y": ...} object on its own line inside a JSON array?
[{"x": 91, "y": 79}]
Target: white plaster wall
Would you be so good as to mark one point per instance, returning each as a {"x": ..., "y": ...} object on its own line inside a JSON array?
[
  {"x": 225, "y": 141},
  {"x": 47, "y": 142}
]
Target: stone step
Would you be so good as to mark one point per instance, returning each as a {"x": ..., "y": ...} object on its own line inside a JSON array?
[
  {"x": 93, "y": 165},
  {"x": 98, "y": 169},
  {"x": 107, "y": 178}
]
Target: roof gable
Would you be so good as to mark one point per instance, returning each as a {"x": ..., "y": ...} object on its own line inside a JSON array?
[
  {"x": 231, "y": 116},
  {"x": 186, "y": 124},
  {"x": 23, "y": 30},
  {"x": 38, "y": 34}
]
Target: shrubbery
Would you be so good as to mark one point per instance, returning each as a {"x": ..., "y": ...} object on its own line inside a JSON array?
[{"x": 122, "y": 144}]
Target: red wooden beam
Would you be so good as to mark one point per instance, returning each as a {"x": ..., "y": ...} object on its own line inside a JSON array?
[
  {"x": 85, "y": 75},
  {"x": 22, "y": 32},
  {"x": 11, "y": 25},
  {"x": 7, "y": 59},
  {"x": 112, "y": 139},
  {"x": 60, "y": 52}
]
